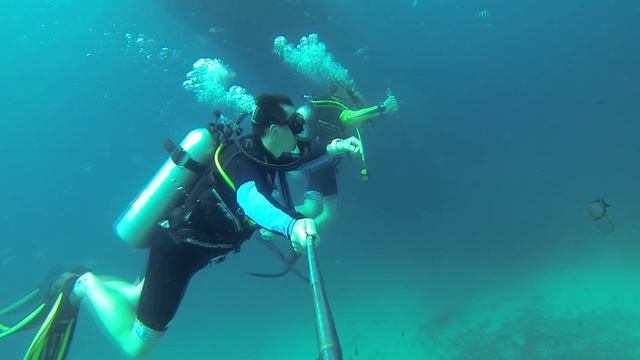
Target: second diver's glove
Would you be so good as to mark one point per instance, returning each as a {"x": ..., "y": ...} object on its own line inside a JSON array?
[
  {"x": 350, "y": 145},
  {"x": 301, "y": 231}
]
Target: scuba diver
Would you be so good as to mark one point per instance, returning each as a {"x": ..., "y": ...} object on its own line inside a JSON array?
[
  {"x": 231, "y": 198},
  {"x": 329, "y": 120}
]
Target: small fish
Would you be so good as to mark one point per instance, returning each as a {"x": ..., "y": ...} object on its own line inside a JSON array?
[{"x": 596, "y": 209}]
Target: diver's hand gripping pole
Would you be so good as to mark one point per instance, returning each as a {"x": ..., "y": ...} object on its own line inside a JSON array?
[{"x": 326, "y": 335}]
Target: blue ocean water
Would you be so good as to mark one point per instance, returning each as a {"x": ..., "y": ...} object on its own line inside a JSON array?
[{"x": 514, "y": 115}]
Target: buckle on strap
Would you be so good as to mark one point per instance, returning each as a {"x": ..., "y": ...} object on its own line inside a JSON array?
[{"x": 182, "y": 158}]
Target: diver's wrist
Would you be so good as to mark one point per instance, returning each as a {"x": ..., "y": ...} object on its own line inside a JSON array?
[
  {"x": 381, "y": 107},
  {"x": 332, "y": 148}
]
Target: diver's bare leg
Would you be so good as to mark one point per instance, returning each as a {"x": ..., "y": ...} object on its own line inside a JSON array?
[
  {"x": 131, "y": 292},
  {"x": 112, "y": 303},
  {"x": 310, "y": 208},
  {"x": 329, "y": 212}
]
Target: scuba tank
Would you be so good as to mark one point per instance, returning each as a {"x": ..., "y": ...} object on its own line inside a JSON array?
[
  {"x": 173, "y": 181},
  {"x": 176, "y": 179}
]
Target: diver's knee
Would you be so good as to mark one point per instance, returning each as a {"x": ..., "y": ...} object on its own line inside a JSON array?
[
  {"x": 144, "y": 340},
  {"x": 313, "y": 204},
  {"x": 330, "y": 206}
]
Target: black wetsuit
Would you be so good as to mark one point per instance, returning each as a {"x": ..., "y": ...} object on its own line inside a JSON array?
[
  {"x": 174, "y": 257},
  {"x": 324, "y": 126}
]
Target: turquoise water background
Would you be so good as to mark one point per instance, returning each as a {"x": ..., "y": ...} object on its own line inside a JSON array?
[{"x": 470, "y": 241}]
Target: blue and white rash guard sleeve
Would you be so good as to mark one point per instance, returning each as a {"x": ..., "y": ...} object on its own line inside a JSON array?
[{"x": 262, "y": 210}]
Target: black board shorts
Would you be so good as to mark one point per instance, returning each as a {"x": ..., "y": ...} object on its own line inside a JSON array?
[
  {"x": 324, "y": 180},
  {"x": 170, "y": 266}
]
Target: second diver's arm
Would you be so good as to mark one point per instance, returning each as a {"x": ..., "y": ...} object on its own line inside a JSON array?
[{"x": 356, "y": 117}]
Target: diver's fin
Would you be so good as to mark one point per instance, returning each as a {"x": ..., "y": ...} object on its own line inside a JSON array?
[
  {"x": 34, "y": 298},
  {"x": 54, "y": 336},
  {"x": 26, "y": 323},
  {"x": 33, "y": 308},
  {"x": 10, "y": 309}
]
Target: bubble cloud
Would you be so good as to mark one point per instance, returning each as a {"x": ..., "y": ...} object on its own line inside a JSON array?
[
  {"x": 311, "y": 58},
  {"x": 209, "y": 81}
]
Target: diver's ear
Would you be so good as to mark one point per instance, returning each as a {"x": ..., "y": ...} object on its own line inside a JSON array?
[{"x": 273, "y": 129}]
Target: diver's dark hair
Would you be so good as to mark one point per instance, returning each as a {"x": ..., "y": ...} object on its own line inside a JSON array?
[{"x": 269, "y": 109}]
